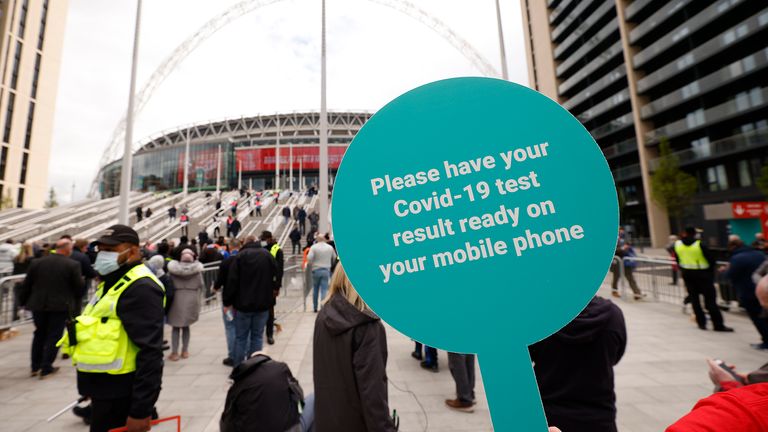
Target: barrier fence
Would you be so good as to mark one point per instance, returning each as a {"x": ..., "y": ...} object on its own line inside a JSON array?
[{"x": 659, "y": 279}]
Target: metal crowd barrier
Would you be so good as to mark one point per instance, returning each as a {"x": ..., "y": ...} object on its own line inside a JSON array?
[{"x": 659, "y": 279}]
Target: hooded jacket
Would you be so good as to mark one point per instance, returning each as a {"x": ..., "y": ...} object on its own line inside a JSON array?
[
  {"x": 350, "y": 360},
  {"x": 188, "y": 283},
  {"x": 574, "y": 369},
  {"x": 743, "y": 263}
]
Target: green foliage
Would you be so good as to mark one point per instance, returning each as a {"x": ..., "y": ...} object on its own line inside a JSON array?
[
  {"x": 762, "y": 181},
  {"x": 671, "y": 187},
  {"x": 7, "y": 201},
  {"x": 52, "y": 202}
]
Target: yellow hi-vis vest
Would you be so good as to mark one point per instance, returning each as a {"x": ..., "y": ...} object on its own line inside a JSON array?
[
  {"x": 691, "y": 257},
  {"x": 273, "y": 250},
  {"x": 103, "y": 346}
]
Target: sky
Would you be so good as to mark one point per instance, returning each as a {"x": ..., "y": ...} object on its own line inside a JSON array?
[{"x": 265, "y": 62}]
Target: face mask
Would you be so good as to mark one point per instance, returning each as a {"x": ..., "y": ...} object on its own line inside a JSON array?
[
  {"x": 263, "y": 243},
  {"x": 106, "y": 262}
]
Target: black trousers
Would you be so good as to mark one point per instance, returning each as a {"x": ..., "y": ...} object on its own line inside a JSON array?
[
  {"x": 271, "y": 322},
  {"x": 109, "y": 413},
  {"x": 754, "y": 310},
  {"x": 49, "y": 327},
  {"x": 700, "y": 283}
]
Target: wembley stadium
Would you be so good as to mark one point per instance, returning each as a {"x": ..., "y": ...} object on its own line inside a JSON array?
[{"x": 247, "y": 149}]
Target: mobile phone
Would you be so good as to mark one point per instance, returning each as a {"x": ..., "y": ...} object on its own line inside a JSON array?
[{"x": 731, "y": 372}]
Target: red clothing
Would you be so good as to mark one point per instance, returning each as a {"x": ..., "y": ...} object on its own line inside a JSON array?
[{"x": 743, "y": 409}]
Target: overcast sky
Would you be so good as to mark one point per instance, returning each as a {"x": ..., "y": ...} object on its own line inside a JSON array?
[{"x": 262, "y": 63}]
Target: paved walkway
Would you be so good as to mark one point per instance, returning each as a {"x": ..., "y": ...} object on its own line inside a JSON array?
[{"x": 660, "y": 378}]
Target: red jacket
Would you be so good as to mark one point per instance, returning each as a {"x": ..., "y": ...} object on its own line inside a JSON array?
[{"x": 743, "y": 409}]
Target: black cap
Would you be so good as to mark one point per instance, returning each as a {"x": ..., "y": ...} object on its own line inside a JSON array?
[{"x": 117, "y": 234}]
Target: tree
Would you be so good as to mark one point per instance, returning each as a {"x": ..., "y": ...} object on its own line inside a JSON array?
[
  {"x": 52, "y": 202},
  {"x": 671, "y": 187},
  {"x": 7, "y": 200},
  {"x": 762, "y": 181}
]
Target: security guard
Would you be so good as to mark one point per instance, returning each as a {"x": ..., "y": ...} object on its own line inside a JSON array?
[
  {"x": 694, "y": 260},
  {"x": 116, "y": 344},
  {"x": 269, "y": 242}
]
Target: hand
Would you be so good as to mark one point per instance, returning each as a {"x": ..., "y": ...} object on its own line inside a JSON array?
[
  {"x": 138, "y": 425},
  {"x": 554, "y": 429},
  {"x": 717, "y": 374}
]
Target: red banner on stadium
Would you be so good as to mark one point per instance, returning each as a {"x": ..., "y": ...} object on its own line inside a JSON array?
[
  {"x": 203, "y": 161},
  {"x": 308, "y": 157}
]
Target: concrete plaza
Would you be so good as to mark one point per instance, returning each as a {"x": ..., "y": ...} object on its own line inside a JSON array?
[{"x": 659, "y": 379}]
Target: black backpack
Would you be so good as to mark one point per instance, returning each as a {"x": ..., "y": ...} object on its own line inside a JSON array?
[{"x": 264, "y": 393}]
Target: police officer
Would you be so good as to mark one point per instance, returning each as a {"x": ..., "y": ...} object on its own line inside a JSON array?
[
  {"x": 694, "y": 260},
  {"x": 269, "y": 242},
  {"x": 116, "y": 343}
]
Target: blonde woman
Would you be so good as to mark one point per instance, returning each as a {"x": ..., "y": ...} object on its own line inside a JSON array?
[
  {"x": 20, "y": 266},
  {"x": 350, "y": 360}
]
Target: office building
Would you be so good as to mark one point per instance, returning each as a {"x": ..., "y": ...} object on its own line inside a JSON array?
[{"x": 635, "y": 73}]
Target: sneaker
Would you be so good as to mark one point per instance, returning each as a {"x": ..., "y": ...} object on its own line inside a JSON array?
[
  {"x": 724, "y": 329},
  {"x": 416, "y": 355},
  {"x": 271, "y": 340},
  {"x": 173, "y": 357},
  {"x": 228, "y": 362},
  {"x": 185, "y": 355},
  {"x": 459, "y": 405},
  {"x": 44, "y": 375},
  {"x": 430, "y": 367},
  {"x": 640, "y": 296},
  {"x": 34, "y": 373},
  {"x": 615, "y": 293}
]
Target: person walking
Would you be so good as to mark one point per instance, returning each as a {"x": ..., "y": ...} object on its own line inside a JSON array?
[
  {"x": 187, "y": 277},
  {"x": 8, "y": 252},
  {"x": 276, "y": 251},
  {"x": 86, "y": 269},
  {"x": 139, "y": 214},
  {"x": 295, "y": 237},
  {"x": 230, "y": 219},
  {"x": 302, "y": 219},
  {"x": 21, "y": 266},
  {"x": 314, "y": 221},
  {"x": 287, "y": 214},
  {"x": 235, "y": 227},
  {"x": 350, "y": 364},
  {"x": 694, "y": 260},
  {"x": 184, "y": 221},
  {"x": 744, "y": 261},
  {"x": 119, "y": 337},
  {"x": 228, "y": 314},
  {"x": 321, "y": 258},
  {"x": 251, "y": 282},
  {"x": 462, "y": 368},
  {"x": 50, "y": 290},
  {"x": 148, "y": 213},
  {"x": 258, "y": 207},
  {"x": 629, "y": 269},
  {"x": 574, "y": 369},
  {"x": 172, "y": 213}
]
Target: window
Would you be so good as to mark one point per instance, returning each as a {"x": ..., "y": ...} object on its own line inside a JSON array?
[
  {"x": 701, "y": 147},
  {"x": 695, "y": 118},
  {"x": 716, "y": 178},
  {"x": 43, "y": 21},
  {"x": 9, "y": 117},
  {"x": 16, "y": 61},
  {"x": 36, "y": 75},
  {"x": 24, "y": 163},
  {"x": 23, "y": 18},
  {"x": 3, "y": 161},
  {"x": 30, "y": 121},
  {"x": 745, "y": 176},
  {"x": 20, "y": 198}
]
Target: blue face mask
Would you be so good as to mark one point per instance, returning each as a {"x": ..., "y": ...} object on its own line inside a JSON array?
[{"x": 106, "y": 262}]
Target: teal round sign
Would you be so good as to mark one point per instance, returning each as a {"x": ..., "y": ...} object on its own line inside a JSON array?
[{"x": 477, "y": 216}]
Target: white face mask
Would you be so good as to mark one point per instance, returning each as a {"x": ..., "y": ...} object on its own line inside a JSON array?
[
  {"x": 263, "y": 243},
  {"x": 107, "y": 262}
]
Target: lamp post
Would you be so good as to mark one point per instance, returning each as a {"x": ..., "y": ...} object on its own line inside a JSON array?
[
  {"x": 504, "y": 72},
  {"x": 127, "y": 166},
  {"x": 290, "y": 165},
  {"x": 186, "y": 162},
  {"x": 218, "y": 171},
  {"x": 277, "y": 152},
  {"x": 323, "y": 187}
]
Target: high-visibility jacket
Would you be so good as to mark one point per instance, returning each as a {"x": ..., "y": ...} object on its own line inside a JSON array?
[
  {"x": 691, "y": 257},
  {"x": 273, "y": 250},
  {"x": 103, "y": 346}
]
